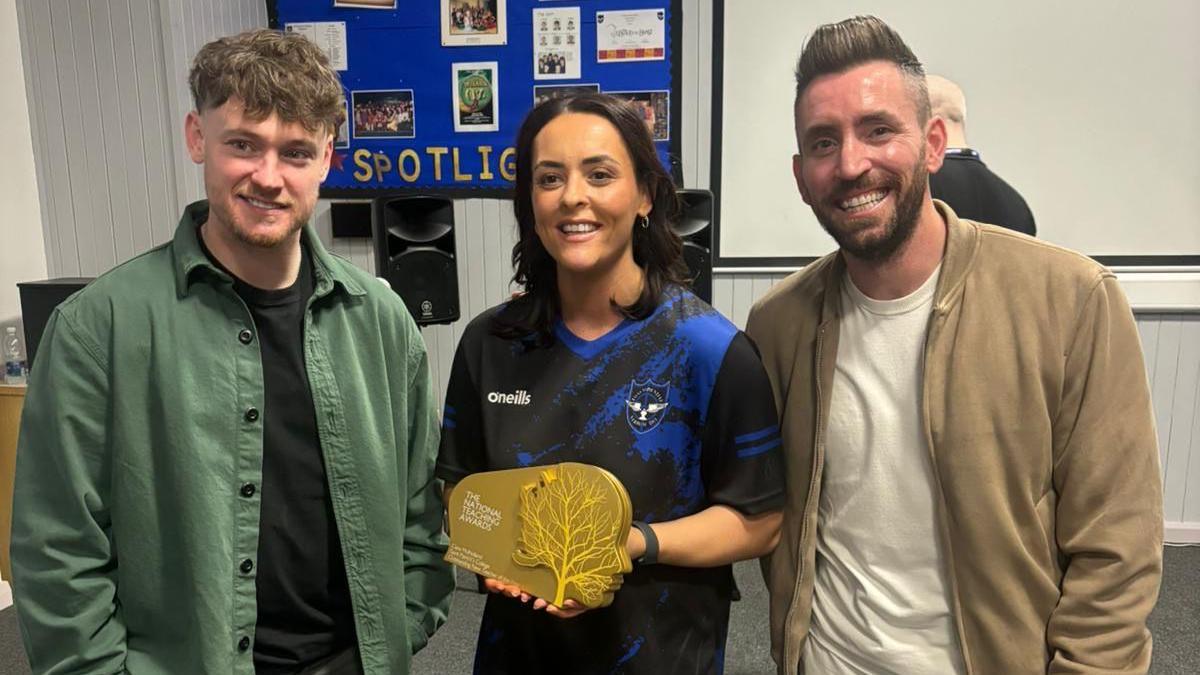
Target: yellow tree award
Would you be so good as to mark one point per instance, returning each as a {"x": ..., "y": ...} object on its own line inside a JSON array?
[{"x": 556, "y": 531}]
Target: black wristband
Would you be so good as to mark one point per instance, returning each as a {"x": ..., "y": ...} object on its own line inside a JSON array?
[{"x": 650, "y": 555}]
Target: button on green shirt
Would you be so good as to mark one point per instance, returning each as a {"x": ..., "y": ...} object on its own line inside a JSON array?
[{"x": 131, "y": 511}]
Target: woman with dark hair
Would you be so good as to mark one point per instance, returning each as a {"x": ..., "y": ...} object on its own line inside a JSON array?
[{"x": 617, "y": 365}]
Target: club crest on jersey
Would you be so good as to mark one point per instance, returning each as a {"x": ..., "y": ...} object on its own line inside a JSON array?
[{"x": 646, "y": 404}]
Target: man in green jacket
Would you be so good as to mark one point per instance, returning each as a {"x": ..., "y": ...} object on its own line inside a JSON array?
[
  {"x": 226, "y": 457},
  {"x": 972, "y": 470}
]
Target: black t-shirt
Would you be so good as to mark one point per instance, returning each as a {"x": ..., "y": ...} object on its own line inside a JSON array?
[
  {"x": 303, "y": 597},
  {"x": 679, "y": 408},
  {"x": 975, "y": 192}
]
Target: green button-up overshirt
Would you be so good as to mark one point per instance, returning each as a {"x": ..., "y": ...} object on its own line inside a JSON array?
[{"x": 130, "y": 519}]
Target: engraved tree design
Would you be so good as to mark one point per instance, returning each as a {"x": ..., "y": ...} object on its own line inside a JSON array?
[{"x": 570, "y": 525}]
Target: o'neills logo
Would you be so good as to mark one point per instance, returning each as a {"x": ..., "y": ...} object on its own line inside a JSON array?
[{"x": 518, "y": 397}]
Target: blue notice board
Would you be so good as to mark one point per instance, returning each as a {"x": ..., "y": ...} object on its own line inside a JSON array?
[{"x": 428, "y": 113}]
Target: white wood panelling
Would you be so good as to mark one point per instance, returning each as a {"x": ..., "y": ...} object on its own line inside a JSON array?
[
  {"x": 107, "y": 87},
  {"x": 1172, "y": 348}
]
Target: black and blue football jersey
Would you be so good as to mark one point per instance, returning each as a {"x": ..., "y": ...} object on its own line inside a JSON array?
[{"x": 679, "y": 408}]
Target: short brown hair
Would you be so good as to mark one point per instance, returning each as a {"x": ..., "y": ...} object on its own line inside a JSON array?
[
  {"x": 838, "y": 47},
  {"x": 270, "y": 72}
]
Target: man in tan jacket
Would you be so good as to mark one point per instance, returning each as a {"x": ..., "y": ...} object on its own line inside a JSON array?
[{"x": 972, "y": 471}]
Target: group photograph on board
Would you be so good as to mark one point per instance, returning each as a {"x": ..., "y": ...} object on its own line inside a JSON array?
[
  {"x": 385, "y": 113},
  {"x": 470, "y": 23}
]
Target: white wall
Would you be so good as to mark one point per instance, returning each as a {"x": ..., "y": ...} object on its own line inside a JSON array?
[
  {"x": 22, "y": 249},
  {"x": 1087, "y": 108}
]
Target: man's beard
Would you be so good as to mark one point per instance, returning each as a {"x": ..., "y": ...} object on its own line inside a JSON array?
[
  {"x": 272, "y": 239},
  {"x": 896, "y": 232}
]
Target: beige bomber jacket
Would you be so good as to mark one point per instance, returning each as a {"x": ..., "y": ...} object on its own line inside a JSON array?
[{"x": 1038, "y": 416}]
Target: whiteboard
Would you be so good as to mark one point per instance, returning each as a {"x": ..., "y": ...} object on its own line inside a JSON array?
[{"x": 1090, "y": 109}]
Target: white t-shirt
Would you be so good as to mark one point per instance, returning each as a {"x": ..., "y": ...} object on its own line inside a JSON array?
[{"x": 881, "y": 596}]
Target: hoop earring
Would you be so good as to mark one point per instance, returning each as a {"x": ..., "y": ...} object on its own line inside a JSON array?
[{"x": 644, "y": 221}]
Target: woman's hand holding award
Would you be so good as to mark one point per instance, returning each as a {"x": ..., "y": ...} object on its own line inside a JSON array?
[{"x": 557, "y": 532}]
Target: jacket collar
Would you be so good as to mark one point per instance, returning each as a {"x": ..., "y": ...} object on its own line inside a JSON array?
[
  {"x": 963, "y": 153},
  {"x": 191, "y": 264},
  {"x": 962, "y": 245}
]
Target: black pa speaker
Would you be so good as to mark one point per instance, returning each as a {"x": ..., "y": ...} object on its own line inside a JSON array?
[
  {"x": 695, "y": 228},
  {"x": 38, "y": 300},
  {"x": 414, "y": 251},
  {"x": 350, "y": 219}
]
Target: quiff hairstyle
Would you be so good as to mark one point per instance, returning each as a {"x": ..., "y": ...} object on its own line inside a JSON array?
[
  {"x": 837, "y": 47},
  {"x": 270, "y": 72}
]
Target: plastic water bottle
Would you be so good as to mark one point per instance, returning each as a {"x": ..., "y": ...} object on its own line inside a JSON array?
[{"x": 14, "y": 357}]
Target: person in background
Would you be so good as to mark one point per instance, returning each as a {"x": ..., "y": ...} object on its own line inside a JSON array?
[
  {"x": 623, "y": 368},
  {"x": 226, "y": 455},
  {"x": 964, "y": 182},
  {"x": 971, "y": 460}
]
